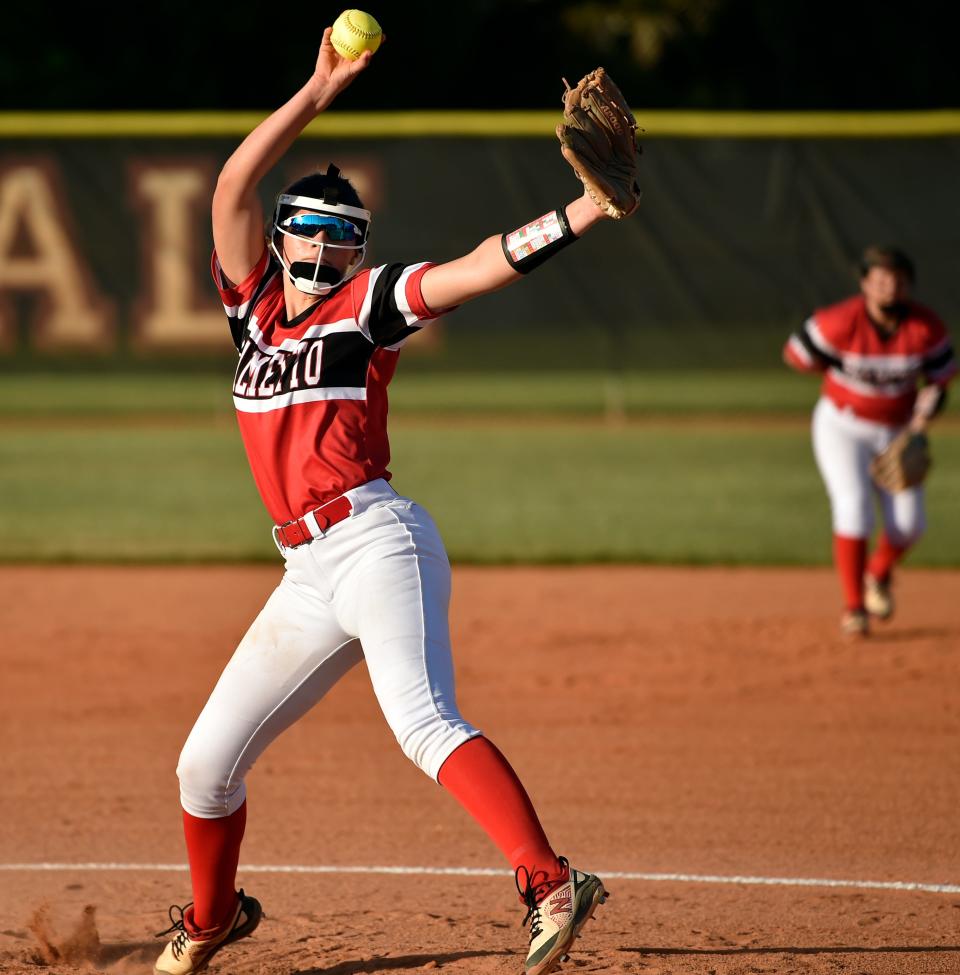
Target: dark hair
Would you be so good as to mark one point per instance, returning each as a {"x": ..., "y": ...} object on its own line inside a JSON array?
[
  {"x": 330, "y": 187},
  {"x": 891, "y": 258}
]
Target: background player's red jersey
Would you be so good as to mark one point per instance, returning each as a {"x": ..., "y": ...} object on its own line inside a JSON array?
[
  {"x": 311, "y": 393},
  {"x": 873, "y": 373}
]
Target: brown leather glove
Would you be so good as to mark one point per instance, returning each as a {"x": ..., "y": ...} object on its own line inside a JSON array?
[
  {"x": 598, "y": 137},
  {"x": 903, "y": 464}
]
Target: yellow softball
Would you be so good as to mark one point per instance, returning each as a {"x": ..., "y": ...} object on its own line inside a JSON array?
[{"x": 355, "y": 32}]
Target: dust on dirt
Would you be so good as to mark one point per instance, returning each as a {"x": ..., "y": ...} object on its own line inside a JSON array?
[{"x": 82, "y": 944}]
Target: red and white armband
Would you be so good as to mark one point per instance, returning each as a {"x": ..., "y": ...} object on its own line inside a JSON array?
[{"x": 529, "y": 246}]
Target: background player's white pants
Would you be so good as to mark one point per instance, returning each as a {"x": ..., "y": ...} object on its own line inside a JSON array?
[
  {"x": 844, "y": 444},
  {"x": 376, "y": 586}
]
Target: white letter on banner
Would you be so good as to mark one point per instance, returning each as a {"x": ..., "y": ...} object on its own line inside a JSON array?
[
  {"x": 38, "y": 253},
  {"x": 171, "y": 200}
]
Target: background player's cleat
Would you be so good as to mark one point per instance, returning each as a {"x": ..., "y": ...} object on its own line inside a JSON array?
[
  {"x": 185, "y": 956},
  {"x": 855, "y": 622},
  {"x": 556, "y": 920},
  {"x": 877, "y": 598}
]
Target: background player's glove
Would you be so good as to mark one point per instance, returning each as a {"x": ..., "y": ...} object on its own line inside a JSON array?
[
  {"x": 598, "y": 137},
  {"x": 903, "y": 464}
]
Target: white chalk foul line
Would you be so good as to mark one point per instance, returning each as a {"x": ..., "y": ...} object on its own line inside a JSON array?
[{"x": 682, "y": 878}]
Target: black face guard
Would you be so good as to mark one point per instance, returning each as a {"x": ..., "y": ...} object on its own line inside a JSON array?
[{"x": 318, "y": 272}]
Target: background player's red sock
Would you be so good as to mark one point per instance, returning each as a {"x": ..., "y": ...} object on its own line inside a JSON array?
[
  {"x": 485, "y": 784},
  {"x": 850, "y": 557},
  {"x": 884, "y": 558},
  {"x": 213, "y": 848}
]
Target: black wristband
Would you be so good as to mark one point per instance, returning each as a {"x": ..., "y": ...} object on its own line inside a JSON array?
[{"x": 529, "y": 246}]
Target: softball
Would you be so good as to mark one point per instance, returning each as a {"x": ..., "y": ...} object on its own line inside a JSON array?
[{"x": 355, "y": 32}]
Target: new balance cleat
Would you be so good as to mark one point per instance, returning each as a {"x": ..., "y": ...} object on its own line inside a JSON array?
[
  {"x": 877, "y": 598},
  {"x": 192, "y": 950},
  {"x": 557, "y": 916}
]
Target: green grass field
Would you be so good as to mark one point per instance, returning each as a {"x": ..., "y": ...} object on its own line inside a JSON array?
[
  {"x": 704, "y": 468},
  {"x": 575, "y": 393}
]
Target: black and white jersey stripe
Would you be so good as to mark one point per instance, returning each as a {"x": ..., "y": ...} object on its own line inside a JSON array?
[
  {"x": 326, "y": 360},
  {"x": 812, "y": 348},
  {"x": 385, "y": 316},
  {"x": 939, "y": 363}
]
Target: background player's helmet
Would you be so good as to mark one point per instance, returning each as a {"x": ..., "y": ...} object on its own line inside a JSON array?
[{"x": 321, "y": 202}]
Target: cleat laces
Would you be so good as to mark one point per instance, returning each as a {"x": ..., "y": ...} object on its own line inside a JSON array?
[
  {"x": 533, "y": 891},
  {"x": 179, "y": 925},
  {"x": 536, "y": 922}
]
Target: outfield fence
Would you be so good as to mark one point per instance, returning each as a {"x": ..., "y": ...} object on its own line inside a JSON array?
[{"x": 747, "y": 223}]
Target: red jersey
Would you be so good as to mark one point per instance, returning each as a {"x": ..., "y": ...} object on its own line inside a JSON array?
[
  {"x": 311, "y": 393},
  {"x": 867, "y": 370}
]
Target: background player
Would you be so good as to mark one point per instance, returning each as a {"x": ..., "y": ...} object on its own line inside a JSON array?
[
  {"x": 873, "y": 348},
  {"x": 366, "y": 573}
]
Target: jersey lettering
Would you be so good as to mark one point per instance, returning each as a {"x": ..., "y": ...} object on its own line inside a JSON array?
[
  {"x": 310, "y": 391},
  {"x": 334, "y": 362},
  {"x": 880, "y": 374},
  {"x": 312, "y": 359}
]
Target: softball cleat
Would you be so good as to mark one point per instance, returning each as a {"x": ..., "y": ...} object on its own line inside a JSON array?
[
  {"x": 855, "y": 623},
  {"x": 191, "y": 950},
  {"x": 557, "y": 918},
  {"x": 877, "y": 598}
]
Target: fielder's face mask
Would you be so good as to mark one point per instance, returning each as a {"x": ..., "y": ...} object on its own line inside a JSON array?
[{"x": 344, "y": 227}]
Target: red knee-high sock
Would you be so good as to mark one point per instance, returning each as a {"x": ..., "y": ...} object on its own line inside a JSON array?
[
  {"x": 850, "y": 557},
  {"x": 213, "y": 848},
  {"x": 884, "y": 558},
  {"x": 483, "y": 782}
]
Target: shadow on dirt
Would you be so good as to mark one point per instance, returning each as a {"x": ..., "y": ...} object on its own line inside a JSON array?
[
  {"x": 400, "y": 962},
  {"x": 912, "y": 635},
  {"x": 795, "y": 950}
]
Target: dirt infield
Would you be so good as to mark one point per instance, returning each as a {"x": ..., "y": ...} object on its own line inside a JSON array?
[{"x": 700, "y": 723}]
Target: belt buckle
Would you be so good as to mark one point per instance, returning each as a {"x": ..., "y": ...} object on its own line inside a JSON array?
[
  {"x": 279, "y": 535},
  {"x": 309, "y": 524}
]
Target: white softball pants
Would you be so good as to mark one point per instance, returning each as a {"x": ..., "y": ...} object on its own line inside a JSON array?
[
  {"x": 844, "y": 444},
  {"x": 377, "y": 587}
]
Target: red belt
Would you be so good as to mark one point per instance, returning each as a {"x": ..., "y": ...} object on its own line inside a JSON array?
[{"x": 300, "y": 530}]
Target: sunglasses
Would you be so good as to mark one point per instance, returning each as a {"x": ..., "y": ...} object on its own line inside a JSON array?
[{"x": 313, "y": 224}]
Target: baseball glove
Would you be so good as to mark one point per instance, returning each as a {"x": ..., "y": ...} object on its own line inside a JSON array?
[
  {"x": 903, "y": 464},
  {"x": 598, "y": 137}
]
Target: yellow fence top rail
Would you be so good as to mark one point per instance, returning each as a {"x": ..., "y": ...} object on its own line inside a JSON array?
[{"x": 654, "y": 123}]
